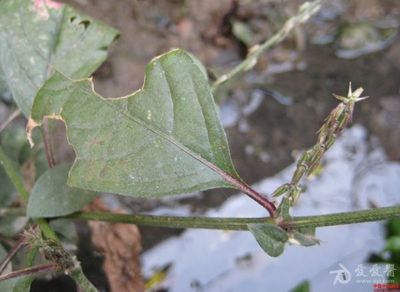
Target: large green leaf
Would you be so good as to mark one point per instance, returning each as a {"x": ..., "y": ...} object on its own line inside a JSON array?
[
  {"x": 40, "y": 36},
  {"x": 51, "y": 197},
  {"x": 270, "y": 237},
  {"x": 164, "y": 139}
]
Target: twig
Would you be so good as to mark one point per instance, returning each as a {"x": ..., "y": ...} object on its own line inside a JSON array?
[
  {"x": 11, "y": 118},
  {"x": 12, "y": 211},
  {"x": 47, "y": 144},
  {"x": 241, "y": 223},
  {"x": 20, "y": 243},
  {"x": 305, "y": 11},
  {"x": 29, "y": 271}
]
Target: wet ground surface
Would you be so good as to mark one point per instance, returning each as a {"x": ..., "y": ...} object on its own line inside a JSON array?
[{"x": 356, "y": 175}]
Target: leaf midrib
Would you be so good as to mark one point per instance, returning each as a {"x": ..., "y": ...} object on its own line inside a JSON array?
[
  {"x": 226, "y": 176},
  {"x": 167, "y": 78}
]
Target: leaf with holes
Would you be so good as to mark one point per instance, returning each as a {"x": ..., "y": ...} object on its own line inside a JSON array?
[
  {"x": 164, "y": 139},
  {"x": 40, "y": 36},
  {"x": 51, "y": 197}
]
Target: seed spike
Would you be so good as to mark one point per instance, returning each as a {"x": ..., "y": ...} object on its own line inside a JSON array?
[{"x": 350, "y": 93}]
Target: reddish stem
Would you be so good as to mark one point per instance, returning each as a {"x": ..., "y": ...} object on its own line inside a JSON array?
[
  {"x": 259, "y": 198},
  {"x": 20, "y": 243},
  {"x": 11, "y": 118},
  {"x": 47, "y": 144},
  {"x": 29, "y": 271}
]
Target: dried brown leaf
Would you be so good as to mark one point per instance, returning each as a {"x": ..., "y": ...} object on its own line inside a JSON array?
[{"x": 120, "y": 245}]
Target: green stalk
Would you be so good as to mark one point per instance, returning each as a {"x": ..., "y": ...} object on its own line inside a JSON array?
[
  {"x": 49, "y": 234},
  {"x": 305, "y": 11},
  {"x": 241, "y": 223},
  {"x": 16, "y": 179},
  {"x": 343, "y": 218},
  {"x": 80, "y": 278},
  {"x": 171, "y": 221}
]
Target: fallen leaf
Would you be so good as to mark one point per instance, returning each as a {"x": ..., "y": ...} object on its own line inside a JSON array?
[{"x": 120, "y": 245}]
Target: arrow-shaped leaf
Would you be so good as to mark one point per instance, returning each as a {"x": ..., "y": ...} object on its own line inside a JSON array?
[
  {"x": 51, "y": 197},
  {"x": 270, "y": 237},
  {"x": 40, "y": 36},
  {"x": 164, "y": 139}
]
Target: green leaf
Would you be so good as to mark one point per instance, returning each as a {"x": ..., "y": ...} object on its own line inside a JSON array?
[
  {"x": 7, "y": 285},
  {"x": 12, "y": 140},
  {"x": 393, "y": 227},
  {"x": 51, "y": 197},
  {"x": 393, "y": 244},
  {"x": 304, "y": 237},
  {"x": 38, "y": 37},
  {"x": 6, "y": 189},
  {"x": 3, "y": 254},
  {"x": 11, "y": 225},
  {"x": 270, "y": 237},
  {"x": 284, "y": 208},
  {"x": 66, "y": 232},
  {"x": 302, "y": 287},
  {"x": 242, "y": 32},
  {"x": 202, "y": 68},
  {"x": 164, "y": 139},
  {"x": 22, "y": 284}
]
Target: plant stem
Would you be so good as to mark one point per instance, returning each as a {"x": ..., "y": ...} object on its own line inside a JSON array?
[
  {"x": 344, "y": 218},
  {"x": 12, "y": 117},
  {"x": 305, "y": 11},
  {"x": 171, "y": 221},
  {"x": 29, "y": 271},
  {"x": 260, "y": 199},
  {"x": 12, "y": 211},
  {"x": 84, "y": 284},
  {"x": 47, "y": 144},
  {"x": 20, "y": 243},
  {"x": 19, "y": 185},
  {"x": 45, "y": 228},
  {"x": 249, "y": 191},
  {"x": 241, "y": 223}
]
